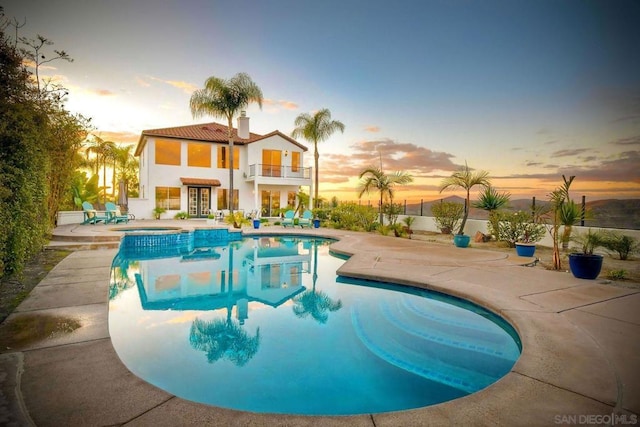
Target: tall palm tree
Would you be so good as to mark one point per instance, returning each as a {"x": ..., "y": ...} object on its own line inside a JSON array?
[
  {"x": 104, "y": 152},
  {"x": 125, "y": 166},
  {"x": 375, "y": 178},
  {"x": 316, "y": 128},
  {"x": 465, "y": 179},
  {"x": 225, "y": 99}
]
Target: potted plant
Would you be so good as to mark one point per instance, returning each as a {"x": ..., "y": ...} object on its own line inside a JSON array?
[
  {"x": 520, "y": 230},
  {"x": 586, "y": 264},
  {"x": 256, "y": 221},
  {"x": 447, "y": 216},
  {"x": 465, "y": 179},
  {"x": 181, "y": 215},
  {"x": 158, "y": 211},
  {"x": 529, "y": 234}
]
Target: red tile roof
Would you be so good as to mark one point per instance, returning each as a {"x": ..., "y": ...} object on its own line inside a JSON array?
[{"x": 207, "y": 132}]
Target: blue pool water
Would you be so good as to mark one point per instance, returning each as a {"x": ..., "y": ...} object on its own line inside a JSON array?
[{"x": 264, "y": 324}]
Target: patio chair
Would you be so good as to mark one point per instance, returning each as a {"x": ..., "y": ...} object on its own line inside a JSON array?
[
  {"x": 288, "y": 219},
  {"x": 91, "y": 215},
  {"x": 114, "y": 214},
  {"x": 305, "y": 220}
]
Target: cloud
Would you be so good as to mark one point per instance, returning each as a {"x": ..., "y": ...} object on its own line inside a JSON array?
[
  {"x": 287, "y": 105},
  {"x": 569, "y": 152},
  {"x": 102, "y": 92},
  {"x": 141, "y": 82},
  {"x": 184, "y": 86},
  {"x": 633, "y": 140},
  {"x": 623, "y": 167},
  {"x": 119, "y": 136},
  {"x": 395, "y": 156},
  {"x": 372, "y": 129}
]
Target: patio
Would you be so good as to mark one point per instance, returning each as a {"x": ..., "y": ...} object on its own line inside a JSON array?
[{"x": 580, "y": 361}]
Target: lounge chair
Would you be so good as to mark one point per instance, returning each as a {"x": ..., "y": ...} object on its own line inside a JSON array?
[
  {"x": 91, "y": 216},
  {"x": 288, "y": 219},
  {"x": 114, "y": 214},
  {"x": 305, "y": 220}
]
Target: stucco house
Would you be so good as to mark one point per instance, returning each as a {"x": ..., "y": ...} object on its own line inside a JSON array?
[{"x": 185, "y": 168}]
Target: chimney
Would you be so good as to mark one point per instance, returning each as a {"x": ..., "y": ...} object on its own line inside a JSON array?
[{"x": 243, "y": 125}]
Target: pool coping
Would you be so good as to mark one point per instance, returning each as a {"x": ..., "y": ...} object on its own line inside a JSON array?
[{"x": 573, "y": 363}]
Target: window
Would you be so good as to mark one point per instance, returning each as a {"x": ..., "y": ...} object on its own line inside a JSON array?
[
  {"x": 295, "y": 161},
  {"x": 167, "y": 152},
  {"x": 271, "y": 161},
  {"x": 223, "y": 198},
  {"x": 270, "y": 202},
  {"x": 199, "y": 154},
  {"x": 223, "y": 157},
  {"x": 168, "y": 198}
]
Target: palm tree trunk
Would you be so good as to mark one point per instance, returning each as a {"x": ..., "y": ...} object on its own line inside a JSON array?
[
  {"x": 566, "y": 235},
  {"x": 230, "y": 119},
  {"x": 316, "y": 156},
  {"x": 104, "y": 179}
]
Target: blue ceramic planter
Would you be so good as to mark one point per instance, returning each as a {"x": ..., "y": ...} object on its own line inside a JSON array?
[
  {"x": 525, "y": 249},
  {"x": 585, "y": 266},
  {"x": 461, "y": 240},
  {"x": 256, "y": 223}
]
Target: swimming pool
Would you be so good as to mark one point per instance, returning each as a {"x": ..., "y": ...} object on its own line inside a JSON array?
[{"x": 264, "y": 324}]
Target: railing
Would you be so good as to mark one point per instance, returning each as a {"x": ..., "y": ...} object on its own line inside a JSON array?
[{"x": 276, "y": 171}]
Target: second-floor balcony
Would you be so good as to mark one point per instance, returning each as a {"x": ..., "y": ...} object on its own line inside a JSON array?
[{"x": 285, "y": 173}]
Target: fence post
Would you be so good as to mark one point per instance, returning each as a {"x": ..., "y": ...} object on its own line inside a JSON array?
[
  {"x": 421, "y": 206},
  {"x": 533, "y": 208}
]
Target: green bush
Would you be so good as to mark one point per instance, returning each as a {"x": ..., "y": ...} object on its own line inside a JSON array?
[
  {"x": 617, "y": 274},
  {"x": 621, "y": 244},
  {"x": 518, "y": 226},
  {"x": 352, "y": 216},
  {"x": 447, "y": 215}
]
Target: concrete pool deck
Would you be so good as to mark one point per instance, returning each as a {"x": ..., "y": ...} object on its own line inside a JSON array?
[{"x": 579, "y": 365}]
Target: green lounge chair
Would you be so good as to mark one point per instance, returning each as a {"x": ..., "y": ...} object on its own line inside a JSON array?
[
  {"x": 288, "y": 219},
  {"x": 91, "y": 216},
  {"x": 114, "y": 214},
  {"x": 305, "y": 220}
]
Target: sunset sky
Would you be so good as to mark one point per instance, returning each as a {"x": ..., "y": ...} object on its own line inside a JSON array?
[{"x": 526, "y": 90}]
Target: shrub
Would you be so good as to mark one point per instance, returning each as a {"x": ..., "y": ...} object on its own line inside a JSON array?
[
  {"x": 181, "y": 215},
  {"x": 352, "y": 216},
  {"x": 621, "y": 244},
  {"x": 517, "y": 226},
  {"x": 617, "y": 274},
  {"x": 447, "y": 215}
]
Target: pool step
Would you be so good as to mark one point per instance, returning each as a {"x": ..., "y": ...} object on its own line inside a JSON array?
[{"x": 416, "y": 346}]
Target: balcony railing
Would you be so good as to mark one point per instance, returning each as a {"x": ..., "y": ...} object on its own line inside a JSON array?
[{"x": 275, "y": 171}]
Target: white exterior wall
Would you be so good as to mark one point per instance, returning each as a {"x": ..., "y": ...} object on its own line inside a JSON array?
[
  {"x": 427, "y": 223},
  {"x": 153, "y": 175}
]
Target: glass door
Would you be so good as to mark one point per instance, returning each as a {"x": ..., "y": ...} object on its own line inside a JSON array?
[{"x": 199, "y": 201}]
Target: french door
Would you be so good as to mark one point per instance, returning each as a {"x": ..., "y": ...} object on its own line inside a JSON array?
[{"x": 199, "y": 201}]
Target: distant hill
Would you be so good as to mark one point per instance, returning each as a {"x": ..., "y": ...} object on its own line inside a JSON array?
[{"x": 610, "y": 213}]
